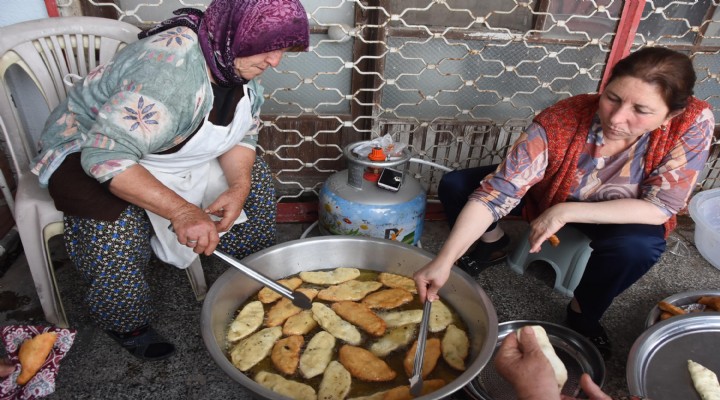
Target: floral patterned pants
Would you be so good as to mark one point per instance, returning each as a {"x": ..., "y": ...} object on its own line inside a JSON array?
[{"x": 113, "y": 256}]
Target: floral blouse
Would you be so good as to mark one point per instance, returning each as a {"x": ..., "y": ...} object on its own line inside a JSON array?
[
  {"x": 601, "y": 178},
  {"x": 149, "y": 98}
]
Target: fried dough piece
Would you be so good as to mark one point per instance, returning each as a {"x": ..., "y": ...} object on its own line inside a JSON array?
[
  {"x": 432, "y": 354},
  {"x": 665, "y": 315},
  {"x": 254, "y": 348},
  {"x": 280, "y": 312},
  {"x": 336, "y": 326},
  {"x": 335, "y": 383},
  {"x": 455, "y": 346},
  {"x": 440, "y": 316},
  {"x": 397, "y": 281},
  {"x": 300, "y": 323},
  {"x": 317, "y": 354},
  {"x": 403, "y": 392},
  {"x": 374, "y": 396},
  {"x": 396, "y": 338},
  {"x": 554, "y": 240},
  {"x": 286, "y": 387},
  {"x": 338, "y": 275},
  {"x": 284, "y": 309},
  {"x": 360, "y": 315},
  {"x": 387, "y": 299},
  {"x": 399, "y": 318},
  {"x": 248, "y": 320},
  {"x": 711, "y": 302},
  {"x": 363, "y": 364},
  {"x": 286, "y": 354},
  {"x": 308, "y": 292},
  {"x": 33, "y": 353},
  {"x": 672, "y": 309},
  {"x": 351, "y": 290},
  {"x": 267, "y": 295}
]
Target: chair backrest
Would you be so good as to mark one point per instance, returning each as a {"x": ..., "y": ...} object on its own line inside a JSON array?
[{"x": 43, "y": 53}]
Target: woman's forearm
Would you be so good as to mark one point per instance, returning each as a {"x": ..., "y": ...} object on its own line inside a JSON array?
[
  {"x": 138, "y": 186},
  {"x": 621, "y": 211},
  {"x": 237, "y": 164},
  {"x": 472, "y": 222}
]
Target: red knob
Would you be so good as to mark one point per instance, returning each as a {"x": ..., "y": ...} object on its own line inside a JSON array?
[{"x": 376, "y": 154}]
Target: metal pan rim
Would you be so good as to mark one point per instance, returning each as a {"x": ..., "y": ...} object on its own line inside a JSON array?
[
  {"x": 570, "y": 337},
  {"x": 650, "y": 341},
  {"x": 678, "y": 300}
]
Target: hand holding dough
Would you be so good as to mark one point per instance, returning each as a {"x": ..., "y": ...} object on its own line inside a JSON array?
[
  {"x": 557, "y": 365},
  {"x": 33, "y": 353},
  {"x": 705, "y": 381}
]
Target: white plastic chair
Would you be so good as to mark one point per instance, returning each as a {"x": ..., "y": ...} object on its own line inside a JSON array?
[{"x": 49, "y": 51}]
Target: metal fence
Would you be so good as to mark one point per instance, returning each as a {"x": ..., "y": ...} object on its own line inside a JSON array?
[{"x": 456, "y": 80}]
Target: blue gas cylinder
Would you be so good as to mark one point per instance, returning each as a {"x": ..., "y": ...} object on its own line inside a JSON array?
[{"x": 350, "y": 204}]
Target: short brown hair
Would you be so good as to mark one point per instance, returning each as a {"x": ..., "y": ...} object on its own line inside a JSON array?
[{"x": 671, "y": 71}]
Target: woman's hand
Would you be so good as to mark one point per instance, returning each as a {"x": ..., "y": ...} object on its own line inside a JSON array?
[
  {"x": 592, "y": 390},
  {"x": 472, "y": 222},
  {"x": 430, "y": 278},
  {"x": 620, "y": 211},
  {"x": 237, "y": 164},
  {"x": 228, "y": 207},
  {"x": 6, "y": 368},
  {"x": 523, "y": 364},
  {"x": 195, "y": 229},
  {"x": 546, "y": 225},
  {"x": 193, "y": 226}
]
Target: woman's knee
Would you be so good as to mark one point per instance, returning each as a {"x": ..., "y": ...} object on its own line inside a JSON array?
[
  {"x": 262, "y": 182},
  {"x": 454, "y": 189},
  {"x": 464, "y": 181},
  {"x": 636, "y": 249},
  {"x": 261, "y": 171},
  {"x": 110, "y": 244},
  {"x": 451, "y": 182}
]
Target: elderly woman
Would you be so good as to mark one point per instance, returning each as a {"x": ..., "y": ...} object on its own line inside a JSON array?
[
  {"x": 618, "y": 166},
  {"x": 156, "y": 150}
]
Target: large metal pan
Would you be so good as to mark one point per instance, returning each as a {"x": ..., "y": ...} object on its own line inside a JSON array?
[{"x": 233, "y": 288}]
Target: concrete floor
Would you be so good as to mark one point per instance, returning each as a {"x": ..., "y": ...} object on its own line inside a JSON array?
[{"x": 96, "y": 368}]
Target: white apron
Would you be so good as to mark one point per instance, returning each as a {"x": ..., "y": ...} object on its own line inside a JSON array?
[{"x": 194, "y": 173}]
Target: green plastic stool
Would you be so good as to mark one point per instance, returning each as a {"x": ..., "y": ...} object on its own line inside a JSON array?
[{"x": 568, "y": 259}]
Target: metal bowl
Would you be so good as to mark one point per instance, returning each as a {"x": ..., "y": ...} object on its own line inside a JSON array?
[
  {"x": 657, "y": 362},
  {"x": 575, "y": 351},
  {"x": 232, "y": 289},
  {"x": 680, "y": 300}
]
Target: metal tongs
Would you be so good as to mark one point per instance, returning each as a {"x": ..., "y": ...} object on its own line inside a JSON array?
[
  {"x": 298, "y": 299},
  {"x": 416, "y": 380}
]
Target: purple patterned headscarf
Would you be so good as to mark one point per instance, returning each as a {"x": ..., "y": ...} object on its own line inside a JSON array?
[{"x": 239, "y": 28}]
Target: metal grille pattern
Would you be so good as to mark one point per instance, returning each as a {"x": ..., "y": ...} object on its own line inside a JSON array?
[{"x": 457, "y": 80}]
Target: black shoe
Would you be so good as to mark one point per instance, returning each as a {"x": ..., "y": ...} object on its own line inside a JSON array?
[
  {"x": 144, "y": 343},
  {"x": 484, "y": 256},
  {"x": 592, "y": 330}
]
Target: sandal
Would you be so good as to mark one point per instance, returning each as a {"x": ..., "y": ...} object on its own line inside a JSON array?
[{"x": 144, "y": 343}]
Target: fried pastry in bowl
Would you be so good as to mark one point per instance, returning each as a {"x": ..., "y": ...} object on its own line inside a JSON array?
[
  {"x": 461, "y": 293},
  {"x": 693, "y": 302}
]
